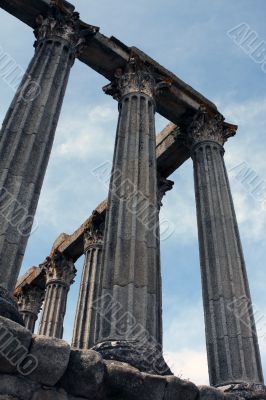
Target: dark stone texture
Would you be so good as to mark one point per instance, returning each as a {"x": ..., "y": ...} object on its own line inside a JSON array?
[
  {"x": 53, "y": 357},
  {"x": 26, "y": 141},
  {"x": 17, "y": 387},
  {"x": 247, "y": 391},
  {"x": 124, "y": 382},
  {"x": 8, "y": 307},
  {"x": 50, "y": 394},
  {"x": 230, "y": 327},
  {"x": 84, "y": 332},
  {"x": 145, "y": 358},
  {"x": 15, "y": 341},
  {"x": 84, "y": 375},
  {"x": 179, "y": 389},
  {"x": 211, "y": 393}
]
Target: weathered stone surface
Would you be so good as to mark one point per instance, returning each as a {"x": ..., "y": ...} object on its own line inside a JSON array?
[
  {"x": 230, "y": 327},
  {"x": 145, "y": 356},
  {"x": 153, "y": 387},
  {"x": 86, "y": 314},
  {"x": 60, "y": 272},
  {"x": 180, "y": 389},
  {"x": 131, "y": 263},
  {"x": 15, "y": 341},
  {"x": 123, "y": 380},
  {"x": 75, "y": 398},
  {"x": 27, "y": 135},
  {"x": 50, "y": 394},
  {"x": 84, "y": 375},
  {"x": 29, "y": 300},
  {"x": 53, "y": 357},
  {"x": 250, "y": 391},
  {"x": 17, "y": 387},
  {"x": 211, "y": 393},
  {"x": 8, "y": 307}
]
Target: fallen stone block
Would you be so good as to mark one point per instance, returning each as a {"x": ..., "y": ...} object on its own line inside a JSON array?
[
  {"x": 12, "y": 386},
  {"x": 53, "y": 356},
  {"x": 84, "y": 374},
  {"x": 15, "y": 341},
  {"x": 178, "y": 389}
]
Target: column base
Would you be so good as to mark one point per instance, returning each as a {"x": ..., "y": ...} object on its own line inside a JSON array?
[
  {"x": 9, "y": 308},
  {"x": 145, "y": 358},
  {"x": 248, "y": 391}
]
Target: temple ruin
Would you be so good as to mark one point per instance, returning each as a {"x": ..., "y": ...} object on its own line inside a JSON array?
[{"x": 116, "y": 350}]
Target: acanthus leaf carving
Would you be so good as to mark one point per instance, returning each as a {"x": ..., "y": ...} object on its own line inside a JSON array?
[
  {"x": 59, "y": 269},
  {"x": 30, "y": 299},
  {"x": 137, "y": 77},
  {"x": 65, "y": 25},
  {"x": 207, "y": 126}
]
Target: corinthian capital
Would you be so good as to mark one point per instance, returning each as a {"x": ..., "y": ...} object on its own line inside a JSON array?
[
  {"x": 93, "y": 235},
  {"x": 209, "y": 127},
  {"x": 64, "y": 25},
  {"x": 30, "y": 299},
  {"x": 59, "y": 269},
  {"x": 136, "y": 78}
]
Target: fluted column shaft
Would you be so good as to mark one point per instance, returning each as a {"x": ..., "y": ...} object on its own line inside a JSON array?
[
  {"x": 28, "y": 132},
  {"x": 30, "y": 301},
  {"x": 85, "y": 322},
  {"x": 232, "y": 345},
  {"x": 60, "y": 274},
  {"x": 130, "y": 307}
]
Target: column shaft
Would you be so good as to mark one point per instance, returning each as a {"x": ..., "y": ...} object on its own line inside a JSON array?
[
  {"x": 232, "y": 345},
  {"x": 27, "y": 136},
  {"x": 84, "y": 332},
  {"x": 60, "y": 274},
  {"x": 130, "y": 307}
]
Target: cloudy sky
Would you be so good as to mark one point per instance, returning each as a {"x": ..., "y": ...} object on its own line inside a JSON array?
[{"x": 189, "y": 37}]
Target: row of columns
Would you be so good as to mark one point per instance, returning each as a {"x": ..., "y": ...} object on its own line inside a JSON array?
[
  {"x": 119, "y": 308},
  {"x": 59, "y": 272}
]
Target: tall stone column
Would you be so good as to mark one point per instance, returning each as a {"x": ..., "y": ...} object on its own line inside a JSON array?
[
  {"x": 85, "y": 322},
  {"x": 128, "y": 327},
  {"x": 30, "y": 300},
  {"x": 232, "y": 345},
  {"x": 28, "y": 132},
  {"x": 60, "y": 273}
]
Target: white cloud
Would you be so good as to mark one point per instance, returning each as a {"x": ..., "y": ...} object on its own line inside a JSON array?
[
  {"x": 184, "y": 339},
  {"x": 86, "y": 133},
  {"x": 189, "y": 365}
]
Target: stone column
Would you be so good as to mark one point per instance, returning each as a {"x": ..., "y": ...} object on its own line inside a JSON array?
[
  {"x": 232, "y": 345},
  {"x": 30, "y": 300},
  {"x": 60, "y": 273},
  {"x": 28, "y": 132},
  {"x": 129, "y": 308},
  {"x": 85, "y": 321}
]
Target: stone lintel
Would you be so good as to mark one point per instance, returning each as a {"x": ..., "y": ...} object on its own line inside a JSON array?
[{"x": 105, "y": 55}]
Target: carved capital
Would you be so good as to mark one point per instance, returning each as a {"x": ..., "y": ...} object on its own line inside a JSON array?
[
  {"x": 93, "y": 235},
  {"x": 208, "y": 127},
  {"x": 59, "y": 269},
  {"x": 136, "y": 78},
  {"x": 164, "y": 186},
  {"x": 30, "y": 299},
  {"x": 64, "y": 25}
]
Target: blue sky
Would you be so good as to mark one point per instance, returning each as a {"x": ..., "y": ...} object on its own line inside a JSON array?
[{"x": 189, "y": 37}]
